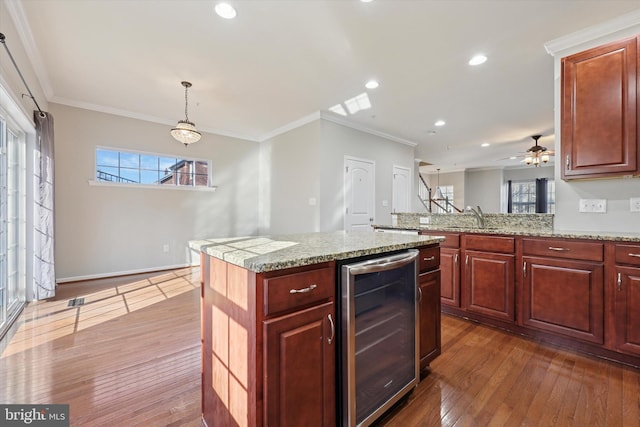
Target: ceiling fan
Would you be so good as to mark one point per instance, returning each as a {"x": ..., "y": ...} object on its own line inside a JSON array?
[{"x": 537, "y": 154}]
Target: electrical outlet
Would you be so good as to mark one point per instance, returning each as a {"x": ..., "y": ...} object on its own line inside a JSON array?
[
  {"x": 593, "y": 205},
  {"x": 165, "y": 248},
  {"x": 634, "y": 204}
]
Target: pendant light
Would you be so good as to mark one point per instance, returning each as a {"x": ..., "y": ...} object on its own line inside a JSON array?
[
  {"x": 537, "y": 153},
  {"x": 185, "y": 131},
  {"x": 438, "y": 195}
]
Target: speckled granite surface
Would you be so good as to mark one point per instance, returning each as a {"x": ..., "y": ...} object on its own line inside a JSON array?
[
  {"x": 540, "y": 222},
  {"x": 565, "y": 234},
  {"x": 269, "y": 253}
]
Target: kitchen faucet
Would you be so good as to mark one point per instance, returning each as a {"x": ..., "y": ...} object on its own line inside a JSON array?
[{"x": 478, "y": 214}]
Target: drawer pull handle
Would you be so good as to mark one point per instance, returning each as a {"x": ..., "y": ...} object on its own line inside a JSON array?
[
  {"x": 431, "y": 258},
  {"x": 553, "y": 248},
  {"x": 333, "y": 330},
  {"x": 303, "y": 290},
  {"x": 635, "y": 255}
]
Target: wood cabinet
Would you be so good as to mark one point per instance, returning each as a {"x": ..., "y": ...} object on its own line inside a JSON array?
[
  {"x": 627, "y": 299},
  {"x": 599, "y": 111},
  {"x": 563, "y": 288},
  {"x": 300, "y": 368},
  {"x": 268, "y": 345},
  {"x": 449, "y": 267},
  {"x": 488, "y": 276},
  {"x": 429, "y": 305}
]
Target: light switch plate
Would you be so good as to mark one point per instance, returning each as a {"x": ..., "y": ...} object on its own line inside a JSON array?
[
  {"x": 593, "y": 205},
  {"x": 634, "y": 204}
]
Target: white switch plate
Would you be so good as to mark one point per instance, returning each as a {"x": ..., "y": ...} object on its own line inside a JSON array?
[
  {"x": 593, "y": 205},
  {"x": 634, "y": 204},
  {"x": 385, "y": 203},
  {"x": 424, "y": 220},
  {"x": 312, "y": 201}
]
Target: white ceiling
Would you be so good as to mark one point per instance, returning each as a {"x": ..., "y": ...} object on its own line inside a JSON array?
[{"x": 279, "y": 62}]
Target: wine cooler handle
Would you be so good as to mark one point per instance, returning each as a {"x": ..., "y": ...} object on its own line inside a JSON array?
[{"x": 333, "y": 329}]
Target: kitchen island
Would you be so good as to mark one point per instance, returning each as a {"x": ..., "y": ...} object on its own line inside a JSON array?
[{"x": 268, "y": 309}]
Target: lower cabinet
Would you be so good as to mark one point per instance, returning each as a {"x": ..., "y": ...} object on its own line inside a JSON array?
[
  {"x": 489, "y": 284},
  {"x": 429, "y": 297},
  {"x": 300, "y": 368},
  {"x": 564, "y": 297},
  {"x": 627, "y": 298},
  {"x": 450, "y": 276}
]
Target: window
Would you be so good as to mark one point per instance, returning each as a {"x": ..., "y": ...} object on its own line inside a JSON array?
[
  {"x": 525, "y": 196},
  {"x": 12, "y": 224},
  {"x": 130, "y": 167},
  {"x": 447, "y": 200}
]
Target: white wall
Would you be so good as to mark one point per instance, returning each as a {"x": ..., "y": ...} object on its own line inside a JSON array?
[
  {"x": 289, "y": 178},
  {"x": 529, "y": 173},
  {"x": 483, "y": 187},
  {"x": 617, "y": 191},
  {"x": 339, "y": 141},
  {"x": 109, "y": 230}
]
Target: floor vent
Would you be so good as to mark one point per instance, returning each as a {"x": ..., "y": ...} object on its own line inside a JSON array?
[{"x": 75, "y": 302}]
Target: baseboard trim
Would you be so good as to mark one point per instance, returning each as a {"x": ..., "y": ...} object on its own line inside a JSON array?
[{"x": 63, "y": 280}]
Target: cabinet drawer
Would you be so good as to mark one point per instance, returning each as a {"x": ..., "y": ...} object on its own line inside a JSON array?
[
  {"x": 489, "y": 243},
  {"x": 429, "y": 259},
  {"x": 288, "y": 292},
  {"x": 628, "y": 254},
  {"x": 563, "y": 249},
  {"x": 451, "y": 240}
]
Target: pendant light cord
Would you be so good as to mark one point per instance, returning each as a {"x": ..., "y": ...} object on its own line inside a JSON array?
[{"x": 186, "y": 102}]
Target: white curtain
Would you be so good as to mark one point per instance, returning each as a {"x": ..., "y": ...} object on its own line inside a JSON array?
[{"x": 43, "y": 268}]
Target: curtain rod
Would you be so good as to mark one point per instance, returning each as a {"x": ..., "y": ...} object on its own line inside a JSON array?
[{"x": 2, "y": 40}]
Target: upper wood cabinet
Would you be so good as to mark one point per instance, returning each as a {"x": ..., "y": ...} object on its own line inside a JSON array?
[{"x": 599, "y": 111}]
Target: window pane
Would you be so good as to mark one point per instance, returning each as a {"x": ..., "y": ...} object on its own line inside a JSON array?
[
  {"x": 167, "y": 163},
  {"x": 149, "y": 177},
  {"x": 106, "y": 158},
  {"x": 129, "y": 175},
  {"x": 105, "y": 173},
  {"x": 148, "y": 162},
  {"x": 129, "y": 160}
]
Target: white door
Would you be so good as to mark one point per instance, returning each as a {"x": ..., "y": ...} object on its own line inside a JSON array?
[
  {"x": 401, "y": 189},
  {"x": 359, "y": 183}
]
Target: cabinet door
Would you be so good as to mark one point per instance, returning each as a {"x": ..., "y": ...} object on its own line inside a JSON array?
[
  {"x": 627, "y": 310},
  {"x": 599, "y": 89},
  {"x": 489, "y": 284},
  {"x": 429, "y": 286},
  {"x": 450, "y": 276},
  {"x": 564, "y": 297},
  {"x": 299, "y": 372}
]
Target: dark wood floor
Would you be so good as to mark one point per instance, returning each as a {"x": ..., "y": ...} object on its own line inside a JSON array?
[{"x": 130, "y": 356}]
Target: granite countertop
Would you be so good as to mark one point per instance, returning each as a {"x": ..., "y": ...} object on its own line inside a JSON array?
[
  {"x": 529, "y": 232},
  {"x": 269, "y": 253}
]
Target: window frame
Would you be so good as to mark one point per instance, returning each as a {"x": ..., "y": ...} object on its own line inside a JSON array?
[
  {"x": 95, "y": 182},
  {"x": 532, "y": 183}
]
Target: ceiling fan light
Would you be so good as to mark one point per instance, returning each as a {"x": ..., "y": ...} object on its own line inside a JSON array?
[
  {"x": 185, "y": 132},
  {"x": 528, "y": 160},
  {"x": 544, "y": 157},
  {"x": 536, "y": 161}
]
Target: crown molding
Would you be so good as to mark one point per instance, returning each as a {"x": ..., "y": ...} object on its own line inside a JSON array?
[
  {"x": 334, "y": 119},
  {"x": 290, "y": 126},
  {"x": 144, "y": 117},
  {"x": 594, "y": 32},
  {"x": 19, "y": 18}
]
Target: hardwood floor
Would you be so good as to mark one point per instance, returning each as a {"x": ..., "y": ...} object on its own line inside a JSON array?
[{"x": 130, "y": 356}]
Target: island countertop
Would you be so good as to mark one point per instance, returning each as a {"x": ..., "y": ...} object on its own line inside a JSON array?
[{"x": 277, "y": 252}]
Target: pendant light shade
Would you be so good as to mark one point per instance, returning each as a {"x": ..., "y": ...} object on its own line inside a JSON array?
[{"x": 185, "y": 131}]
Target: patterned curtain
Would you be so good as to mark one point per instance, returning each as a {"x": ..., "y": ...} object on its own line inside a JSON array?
[{"x": 43, "y": 268}]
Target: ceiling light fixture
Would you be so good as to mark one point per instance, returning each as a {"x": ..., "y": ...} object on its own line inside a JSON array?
[
  {"x": 372, "y": 84},
  {"x": 440, "y": 123},
  {"x": 478, "y": 59},
  {"x": 185, "y": 131},
  {"x": 366, "y": 1},
  {"x": 225, "y": 10},
  {"x": 537, "y": 153},
  {"x": 485, "y": 144},
  {"x": 438, "y": 195}
]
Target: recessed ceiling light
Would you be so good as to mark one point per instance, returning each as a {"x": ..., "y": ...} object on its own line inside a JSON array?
[
  {"x": 485, "y": 144},
  {"x": 440, "y": 123},
  {"x": 512, "y": 158},
  {"x": 366, "y": 1},
  {"x": 478, "y": 59},
  {"x": 372, "y": 84},
  {"x": 225, "y": 10}
]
